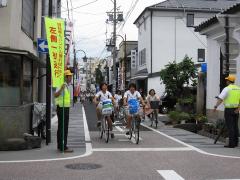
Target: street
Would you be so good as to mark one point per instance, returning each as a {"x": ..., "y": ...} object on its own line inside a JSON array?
[{"x": 156, "y": 157}]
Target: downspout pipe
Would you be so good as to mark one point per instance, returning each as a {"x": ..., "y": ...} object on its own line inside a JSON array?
[{"x": 151, "y": 41}]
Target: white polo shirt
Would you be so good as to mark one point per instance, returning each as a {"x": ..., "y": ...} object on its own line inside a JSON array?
[
  {"x": 104, "y": 96},
  {"x": 129, "y": 95}
]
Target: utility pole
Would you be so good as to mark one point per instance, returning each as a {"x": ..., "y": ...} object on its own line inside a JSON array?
[
  {"x": 48, "y": 89},
  {"x": 114, "y": 43}
]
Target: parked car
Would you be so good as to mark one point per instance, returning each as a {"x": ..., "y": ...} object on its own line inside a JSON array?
[{"x": 167, "y": 103}]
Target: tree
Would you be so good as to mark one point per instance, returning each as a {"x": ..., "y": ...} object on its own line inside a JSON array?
[
  {"x": 176, "y": 76},
  {"x": 99, "y": 76}
]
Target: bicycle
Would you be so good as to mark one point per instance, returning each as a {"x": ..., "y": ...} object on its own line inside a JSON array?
[
  {"x": 104, "y": 129},
  {"x": 154, "y": 115},
  {"x": 135, "y": 124}
]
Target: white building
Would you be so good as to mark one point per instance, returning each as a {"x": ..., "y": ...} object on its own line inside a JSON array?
[
  {"x": 166, "y": 33},
  {"x": 216, "y": 35}
]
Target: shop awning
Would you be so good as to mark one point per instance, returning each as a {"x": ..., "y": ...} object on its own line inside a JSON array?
[
  {"x": 142, "y": 74},
  {"x": 36, "y": 59}
]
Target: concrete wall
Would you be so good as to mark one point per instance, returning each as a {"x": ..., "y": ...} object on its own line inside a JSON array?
[{"x": 14, "y": 121}]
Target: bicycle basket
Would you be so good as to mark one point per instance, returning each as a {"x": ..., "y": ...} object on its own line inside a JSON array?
[
  {"x": 154, "y": 104},
  {"x": 107, "y": 107},
  {"x": 133, "y": 106}
]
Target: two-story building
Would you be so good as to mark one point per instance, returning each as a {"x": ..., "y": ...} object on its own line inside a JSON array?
[
  {"x": 166, "y": 33},
  {"x": 21, "y": 69}
]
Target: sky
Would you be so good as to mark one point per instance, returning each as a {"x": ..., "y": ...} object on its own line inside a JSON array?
[{"x": 90, "y": 27}]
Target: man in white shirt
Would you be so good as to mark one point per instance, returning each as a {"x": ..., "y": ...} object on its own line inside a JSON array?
[{"x": 132, "y": 93}]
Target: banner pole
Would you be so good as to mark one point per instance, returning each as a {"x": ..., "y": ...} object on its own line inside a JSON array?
[{"x": 63, "y": 120}]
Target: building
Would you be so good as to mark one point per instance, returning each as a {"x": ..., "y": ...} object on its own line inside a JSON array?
[
  {"x": 166, "y": 33},
  {"x": 125, "y": 74},
  {"x": 21, "y": 69},
  {"x": 215, "y": 31}
]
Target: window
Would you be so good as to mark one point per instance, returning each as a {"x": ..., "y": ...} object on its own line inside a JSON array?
[
  {"x": 201, "y": 55},
  {"x": 28, "y": 17},
  {"x": 27, "y": 81},
  {"x": 142, "y": 57},
  {"x": 10, "y": 73},
  {"x": 190, "y": 20}
]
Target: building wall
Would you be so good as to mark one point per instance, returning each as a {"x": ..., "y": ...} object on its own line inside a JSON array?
[
  {"x": 10, "y": 25},
  {"x": 171, "y": 40}
]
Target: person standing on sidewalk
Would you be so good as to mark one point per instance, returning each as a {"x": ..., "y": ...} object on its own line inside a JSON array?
[
  {"x": 63, "y": 103},
  {"x": 230, "y": 96}
]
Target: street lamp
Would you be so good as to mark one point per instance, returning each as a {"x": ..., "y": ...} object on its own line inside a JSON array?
[{"x": 75, "y": 66}]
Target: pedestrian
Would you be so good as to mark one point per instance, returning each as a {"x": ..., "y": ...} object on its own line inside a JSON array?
[
  {"x": 230, "y": 96},
  {"x": 63, "y": 102}
]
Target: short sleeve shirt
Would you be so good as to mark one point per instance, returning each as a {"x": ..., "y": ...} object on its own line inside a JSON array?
[
  {"x": 118, "y": 97},
  {"x": 152, "y": 98},
  {"x": 103, "y": 96},
  {"x": 224, "y": 93},
  {"x": 129, "y": 95}
]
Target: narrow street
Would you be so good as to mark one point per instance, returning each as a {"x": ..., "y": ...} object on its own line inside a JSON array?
[{"x": 155, "y": 157}]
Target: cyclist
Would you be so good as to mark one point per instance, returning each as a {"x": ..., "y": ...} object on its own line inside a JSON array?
[
  {"x": 132, "y": 93},
  {"x": 118, "y": 98},
  {"x": 150, "y": 98},
  {"x": 102, "y": 95}
]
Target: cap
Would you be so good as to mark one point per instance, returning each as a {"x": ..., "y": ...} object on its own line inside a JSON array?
[
  {"x": 68, "y": 73},
  {"x": 231, "y": 78}
]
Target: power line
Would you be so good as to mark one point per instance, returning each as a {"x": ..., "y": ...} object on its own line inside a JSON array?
[{"x": 83, "y": 5}]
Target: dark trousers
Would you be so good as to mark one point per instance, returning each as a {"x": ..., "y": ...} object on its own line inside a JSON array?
[
  {"x": 62, "y": 130},
  {"x": 231, "y": 119}
]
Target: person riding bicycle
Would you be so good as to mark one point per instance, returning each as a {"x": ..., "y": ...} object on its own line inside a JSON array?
[
  {"x": 118, "y": 97},
  {"x": 102, "y": 95},
  {"x": 132, "y": 94},
  {"x": 151, "y": 98}
]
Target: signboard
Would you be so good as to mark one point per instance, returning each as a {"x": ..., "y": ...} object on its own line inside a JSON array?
[
  {"x": 133, "y": 59},
  {"x": 68, "y": 40},
  {"x": 55, "y": 37},
  {"x": 42, "y": 45}
]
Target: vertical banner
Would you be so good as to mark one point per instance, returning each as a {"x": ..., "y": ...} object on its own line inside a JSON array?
[
  {"x": 55, "y": 37},
  {"x": 68, "y": 40},
  {"x": 133, "y": 59}
]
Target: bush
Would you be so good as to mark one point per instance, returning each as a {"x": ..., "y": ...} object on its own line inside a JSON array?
[
  {"x": 200, "y": 118},
  {"x": 177, "y": 116}
]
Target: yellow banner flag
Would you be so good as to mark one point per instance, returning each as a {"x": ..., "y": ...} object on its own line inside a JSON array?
[{"x": 55, "y": 37}]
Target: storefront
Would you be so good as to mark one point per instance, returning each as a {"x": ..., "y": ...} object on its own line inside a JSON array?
[{"x": 18, "y": 90}]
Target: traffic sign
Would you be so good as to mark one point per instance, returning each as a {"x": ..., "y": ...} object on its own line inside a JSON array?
[{"x": 42, "y": 45}]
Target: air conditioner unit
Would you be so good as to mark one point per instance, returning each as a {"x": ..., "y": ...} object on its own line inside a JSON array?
[{"x": 3, "y": 3}]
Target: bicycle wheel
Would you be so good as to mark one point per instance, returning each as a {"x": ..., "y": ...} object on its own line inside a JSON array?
[
  {"x": 136, "y": 126},
  {"x": 131, "y": 131},
  {"x": 151, "y": 118},
  {"x": 106, "y": 130},
  {"x": 101, "y": 130},
  {"x": 156, "y": 118}
]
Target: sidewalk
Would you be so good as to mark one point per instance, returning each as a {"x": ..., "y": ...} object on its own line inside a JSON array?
[
  {"x": 76, "y": 141},
  {"x": 201, "y": 143}
]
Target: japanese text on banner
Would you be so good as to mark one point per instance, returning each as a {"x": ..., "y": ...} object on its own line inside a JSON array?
[{"x": 55, "y": 37}]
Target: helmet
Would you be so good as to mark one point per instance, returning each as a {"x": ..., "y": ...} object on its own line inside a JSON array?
[{"x": 231, "y": 78}]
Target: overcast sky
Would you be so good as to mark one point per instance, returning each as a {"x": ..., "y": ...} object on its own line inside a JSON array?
[{"x": 90, "y": 27}]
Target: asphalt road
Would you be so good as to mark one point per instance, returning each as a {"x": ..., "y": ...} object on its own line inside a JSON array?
[{"x": 156, "y": 157}]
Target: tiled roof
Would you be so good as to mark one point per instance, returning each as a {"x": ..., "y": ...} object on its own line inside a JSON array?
[
  {"x": 211, "y": 5},
  {"x": 231, "y": 10}
]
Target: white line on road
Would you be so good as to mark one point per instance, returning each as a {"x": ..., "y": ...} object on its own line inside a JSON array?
[
  {"x": 142, "y": 149},
  {"x": 119, "y": 129},
  {"x": 190, "y": 146},
  {"x": 169, "y": 175}
]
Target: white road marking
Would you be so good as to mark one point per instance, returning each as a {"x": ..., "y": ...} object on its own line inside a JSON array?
[
  {"x": 119, "y": 129},
  {"x": 141, "y": 149},
  {"x": 190, "y": 146},
  {"x": 88, "y": 152},
  {"x": 169, "y": 175}
]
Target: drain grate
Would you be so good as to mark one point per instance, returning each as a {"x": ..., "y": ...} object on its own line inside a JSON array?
[{"x": 83, "y": 166}]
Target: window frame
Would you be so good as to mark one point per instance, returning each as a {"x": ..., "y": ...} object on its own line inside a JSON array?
[
  {"x": 33, "y": 29},
  {"x": 187, "y": 19}
]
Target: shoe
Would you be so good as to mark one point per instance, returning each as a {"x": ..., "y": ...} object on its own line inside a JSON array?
[
  {"x": 127, "y": 133},
  {"x": 68, "y": 150},
  {"x": 112, "y": 136},
  {"x": 98, "y": 123},
  {"x": 227, "y": 146}
]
